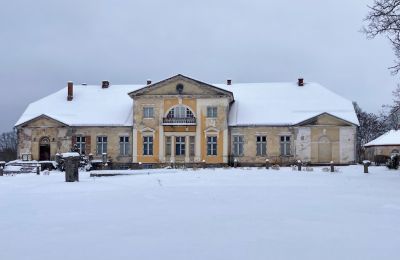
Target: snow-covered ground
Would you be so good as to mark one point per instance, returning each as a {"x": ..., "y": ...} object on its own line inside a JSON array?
[{"x": 204, "y": 214}]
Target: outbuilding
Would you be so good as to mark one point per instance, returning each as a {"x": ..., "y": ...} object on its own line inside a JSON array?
[{"x": 380, "y": 149}]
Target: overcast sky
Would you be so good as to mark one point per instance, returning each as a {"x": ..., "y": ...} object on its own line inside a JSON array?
[{"x": 44, "y": 44}]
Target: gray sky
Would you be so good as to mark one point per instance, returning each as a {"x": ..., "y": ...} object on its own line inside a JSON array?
[{"x": 45, "y": 43}]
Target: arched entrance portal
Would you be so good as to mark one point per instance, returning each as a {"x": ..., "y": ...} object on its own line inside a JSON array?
[
  {"x": 324, "y": 150},
  {"x": 44, "y": 149}
]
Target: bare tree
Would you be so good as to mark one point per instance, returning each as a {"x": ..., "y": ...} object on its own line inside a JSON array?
[
  {"x": 371, "y": 126},
  {"x": 384, "y": 19},
  {"x": 8, "y": 146}
]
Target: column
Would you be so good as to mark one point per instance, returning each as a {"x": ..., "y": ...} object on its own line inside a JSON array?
[
  {"x": 187, "y": 147},
  {"x": 173, "y": 148}
]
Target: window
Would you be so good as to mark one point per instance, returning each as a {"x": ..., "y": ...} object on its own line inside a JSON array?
[
  {"x": 168, "y": 146},
  {"x": 147, "y": 145},
  {"x": 180, "y": 145},
  {"x": 211, "y": 145},
  {"x": 180, "y": 112},
  {"x": 285, "y": 145},
  {"x": 124, "y": 145},
  {"x": 192, "y": 145},
  {"x": 101, "y": 145},
  {"x": 81, "y": 144},
  {"x": 212, "y": 112},
  {"x": 148, "y": 112},
  {"x": 261, "y": 145},
  {"x": 238, "y": 142}
]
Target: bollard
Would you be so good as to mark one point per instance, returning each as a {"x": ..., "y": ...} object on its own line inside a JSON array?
[
  {"x": 299, "y": 165},
  {"x": 204, "y": 164},
  {"x": 235, "y": 163},
  {"x": 267, "y": 164},
  {"x": 366, "y": 164},
  {"x": 1, "y": 170},
  {"x": 332, "y": 167},
  {"x": 140, "y": 165},
  {"x": 37, "y": 170}
]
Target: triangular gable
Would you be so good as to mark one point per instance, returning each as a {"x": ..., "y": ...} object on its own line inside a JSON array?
[
  {"x": 326, "y": 119},
  {"x": 190, "y": 87},
  {"x": 50, "y": 121}
]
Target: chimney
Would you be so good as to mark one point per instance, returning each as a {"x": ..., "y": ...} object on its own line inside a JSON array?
[
  {"x": 300, "y": 82},
  {"x": 70, "y": 94},
  {"x": 105, "y": 84},
  {"x": 229, "y": 82},
  {"x": 148, "y": 82}
]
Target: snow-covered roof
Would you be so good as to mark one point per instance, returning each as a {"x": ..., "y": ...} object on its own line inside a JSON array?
[
  {"x": 285, "y": 103},
  {"x": 389, "y": 138},
  {"x": 255, "y": 104},
  {"x": 91, "y": 106}
]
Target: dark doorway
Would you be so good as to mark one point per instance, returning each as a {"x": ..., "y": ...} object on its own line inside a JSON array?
[{"x": 44, "y": 149}]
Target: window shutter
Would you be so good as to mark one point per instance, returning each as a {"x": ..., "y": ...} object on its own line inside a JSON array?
[
  {"x": 73, "y": 141},
  {"x": 88, "y": 146}
]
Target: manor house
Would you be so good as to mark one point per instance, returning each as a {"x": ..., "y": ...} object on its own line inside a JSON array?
[{"x": 184, "y": 120}]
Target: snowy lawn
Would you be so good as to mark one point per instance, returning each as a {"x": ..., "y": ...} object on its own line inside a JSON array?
[{"x": 204, "y": 214}]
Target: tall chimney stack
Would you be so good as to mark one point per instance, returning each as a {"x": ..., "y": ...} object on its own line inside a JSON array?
[
  {"x": 148, "y": 82},
  {"x": 70, "y": 94},
  {"x": 105, "y": 84},
  {"x": 300, "y": 82},
  {"x": 229, "y": 82}
]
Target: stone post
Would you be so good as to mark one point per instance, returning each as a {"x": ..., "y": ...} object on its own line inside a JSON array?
[
  {"x": 332, "y": 167},
  {"x": 37, "y": 170},
  {"x": 267, "y": 164},
  {"x": 1, "y": 170},
  {"x": 72, "y": 161},
  {"x": 299, "y": 165},
  {"x": 235, "y": 163},
  {"x": 366, "y": 164}
]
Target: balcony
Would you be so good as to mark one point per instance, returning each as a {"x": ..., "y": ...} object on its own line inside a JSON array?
[{"x": 179, "y": 121}]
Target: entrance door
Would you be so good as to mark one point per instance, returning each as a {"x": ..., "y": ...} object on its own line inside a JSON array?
[
  {"x": 324, "y": 150},
  {"x": 44, "y": 149}
]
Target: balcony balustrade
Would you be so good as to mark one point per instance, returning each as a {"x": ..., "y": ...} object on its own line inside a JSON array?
[{"x": 179, "y": 121}]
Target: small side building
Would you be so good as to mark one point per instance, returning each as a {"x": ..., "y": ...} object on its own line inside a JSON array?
[{"x": 384, "y": 146}]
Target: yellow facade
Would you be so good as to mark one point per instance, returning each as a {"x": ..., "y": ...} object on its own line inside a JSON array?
[{"x": 190, "y": 137}]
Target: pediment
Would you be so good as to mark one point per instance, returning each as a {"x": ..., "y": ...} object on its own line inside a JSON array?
[
  {"x": 43, "y": 121},
  {"x": 326, "y": 119},
  {"x": 181, "y": 85}
]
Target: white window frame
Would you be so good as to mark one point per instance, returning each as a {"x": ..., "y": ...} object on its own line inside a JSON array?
[
  {"x": 238, "y": 145},
  {"x": 212, "y": 145},
  {"x": 124, "y": 145},
  {"x": 212, "y": 112},
  {"x": 261, "y": 145},
  {"x": 102, "y": 143},
  {"x": 148, "y": 112},
  {"x": 285, "y": 145},
  {"x": 148, "y": 145},
  {"x": 180, "y": 111},
  {"x": 81, "y": 143},
  {"x": 180, "y": 145}
]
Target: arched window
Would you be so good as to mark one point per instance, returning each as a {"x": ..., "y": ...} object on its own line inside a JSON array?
[
  {"x": 180, "y": 112},
  {"x": 44, "y": 141}
]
